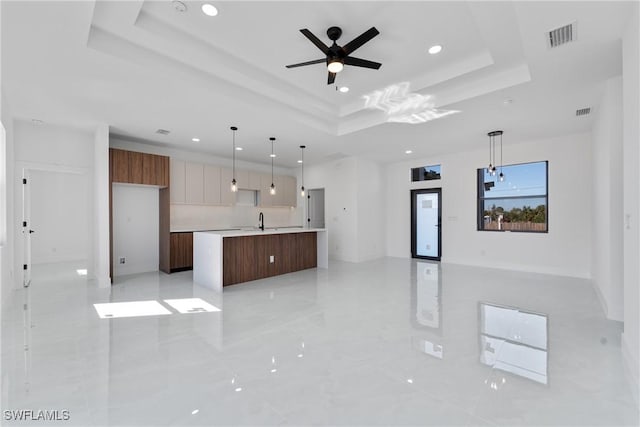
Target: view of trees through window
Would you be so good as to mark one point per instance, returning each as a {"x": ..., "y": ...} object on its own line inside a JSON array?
[{"x": 517, "y": 203}]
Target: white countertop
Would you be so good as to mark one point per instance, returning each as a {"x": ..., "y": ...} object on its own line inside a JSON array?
[
  {"x": 284, "y": 230},
  {"x": 192, "y": 228}
]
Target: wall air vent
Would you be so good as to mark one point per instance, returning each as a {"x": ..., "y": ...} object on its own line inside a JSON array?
[
  {"x": 583, "y": 111},
  {"x": 562, "y": 35},
  {"x": 163, "y": 131}
]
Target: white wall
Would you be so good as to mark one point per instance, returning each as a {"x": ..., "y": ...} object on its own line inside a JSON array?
[
  {"x": 48, "y": 147},
  {"x": 354, "y": 212},
  {"x": 631, "y": 193},
  {"x": 563, "y": 250},
  {"x": 59, "y": 216},
  {"x": 606, "y": 198},
  {"x": 100, "y": 271},
  {"x": 339, "y": 180},
  {"x": 371, "y": 212},
  {"x": 7, "y": 264},
  {"x": 135, "y": 228}
]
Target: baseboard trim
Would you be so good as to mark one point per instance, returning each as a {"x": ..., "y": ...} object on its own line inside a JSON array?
[{"x": 632, "y": 368}]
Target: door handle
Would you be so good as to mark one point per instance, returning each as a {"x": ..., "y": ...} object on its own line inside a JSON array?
[{"x": 31, "y": 231}]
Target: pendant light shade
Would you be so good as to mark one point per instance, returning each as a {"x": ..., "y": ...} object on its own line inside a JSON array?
[
  {"x": 492, "y": 154},
  {"x": 272, "y": 189},
  {"x": 302, "y": 147},
  {"x": 234, "y": 184}
]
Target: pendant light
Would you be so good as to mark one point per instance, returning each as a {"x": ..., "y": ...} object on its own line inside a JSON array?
[
  {"x": 234, "y": 184},
  {"x": 302, "y": 147},
  {"x": 272, "y": 189},
  {"x": 492, "y": 153}
]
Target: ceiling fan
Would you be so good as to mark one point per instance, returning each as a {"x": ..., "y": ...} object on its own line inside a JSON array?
[{"x": 339, "y": 56}]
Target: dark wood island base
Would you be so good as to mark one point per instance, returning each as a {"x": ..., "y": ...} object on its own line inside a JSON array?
[{"x": 248, "y": 258}]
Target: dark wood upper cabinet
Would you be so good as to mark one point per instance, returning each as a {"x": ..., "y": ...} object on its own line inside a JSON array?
[
  {"x": 136, "y": 167},
  {"x": 132, "y": 167},
  {"x": 119, "y": 165}
]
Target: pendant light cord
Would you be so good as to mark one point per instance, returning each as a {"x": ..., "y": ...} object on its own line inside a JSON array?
[{"x": 500, "y": 153}]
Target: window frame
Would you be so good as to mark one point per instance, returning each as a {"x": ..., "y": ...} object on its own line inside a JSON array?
[
  {"x": 480, "y": 200},
  {"x": 439, "y": 165}
]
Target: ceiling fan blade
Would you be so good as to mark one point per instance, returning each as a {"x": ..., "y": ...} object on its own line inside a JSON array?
[
  {"x": 308, "y": 34},
  {"x": 360, "y": 40},
  {"x": 302, "y": 64},
  {"x": 350, "y": 60},
  {"x": 331, "y": 78}
]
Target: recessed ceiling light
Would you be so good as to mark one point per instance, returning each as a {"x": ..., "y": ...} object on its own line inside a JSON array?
[
  {"x": 435, "y": 49},
  {"x": 195, "y": 139},
  {"x": 209, "y": 9},
  {"x": 408, "y": 152},
  {"x": 299, "y": 161},
  {"x": 272, "y": 155},
  {"x": 343, "y": 89},
  {"x": 507, "y": 101},
  {"x": 238, "y": 148}
]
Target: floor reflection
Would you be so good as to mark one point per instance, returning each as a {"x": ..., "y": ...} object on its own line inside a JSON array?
[
  {"x": 426, "y": 308},
  {"x": 514, "y": 340}
]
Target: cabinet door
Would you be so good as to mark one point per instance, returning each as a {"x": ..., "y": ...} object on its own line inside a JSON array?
[
  {"x": 289, "y": 191},
  {"x": 227, "y": 197},
  {"x": 178, "y": 181},
  {"x": 242, "y": 178},
  {"x": 181, "y": 246},
  {"x": 136, "y": 167},
  {"x": 162, "y": 170},
  {"x": 254, "y": 181},
  {"x": 119, "y": 160},
  {"x": 194, "y": 180},
  {"x": 278, "y": 199},
  {"x": 211, "y": 185},
  {"x": 266, "y": 199}
]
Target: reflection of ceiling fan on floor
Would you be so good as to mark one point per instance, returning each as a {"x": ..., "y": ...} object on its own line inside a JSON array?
[{"x": 339, "y": 56}]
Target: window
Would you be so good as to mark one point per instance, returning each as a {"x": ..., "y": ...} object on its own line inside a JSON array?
[
  {"x": 425, "y": 173},
  {"x": 519, "y": 203}
]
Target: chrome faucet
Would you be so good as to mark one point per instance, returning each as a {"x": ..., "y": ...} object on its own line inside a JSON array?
[{"x": 261, "y": 221}]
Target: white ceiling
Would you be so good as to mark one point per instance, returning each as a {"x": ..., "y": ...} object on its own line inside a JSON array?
[{"x": 141, "y": 65}]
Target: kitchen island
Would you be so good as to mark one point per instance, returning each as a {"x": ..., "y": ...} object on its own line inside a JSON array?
[{"x": 222, "y": 258}]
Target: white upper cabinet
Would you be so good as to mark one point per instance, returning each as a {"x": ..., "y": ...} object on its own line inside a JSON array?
[
  {"x": 211, "y": 185},
  {"x": 177, "y": 184},
  {"x": 289, "y": 191},
  {"x": 203, "y": 184},
  {"x": 254, "y": 180},
  {"x": 194, "y": 192},
  {"x": 266, "y": 199}
]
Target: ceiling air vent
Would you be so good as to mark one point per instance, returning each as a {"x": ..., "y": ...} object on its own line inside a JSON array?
[
  {"x": 163, "y": 131},
  {"x": 562, "y": 35},
  {"x": 583, "y": 111}
]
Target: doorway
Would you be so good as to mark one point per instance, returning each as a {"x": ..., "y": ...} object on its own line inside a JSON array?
[
  {"x": 55, "y": 224},
  {"x": 315, "y": 208},
  {"x": 426, "y": 221}
]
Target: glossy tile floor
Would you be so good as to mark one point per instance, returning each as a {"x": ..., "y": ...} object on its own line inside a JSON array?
[{"x": 390, "y": 342}]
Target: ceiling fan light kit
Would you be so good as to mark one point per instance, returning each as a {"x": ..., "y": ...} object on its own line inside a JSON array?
[{"x": 336, "y": 57}]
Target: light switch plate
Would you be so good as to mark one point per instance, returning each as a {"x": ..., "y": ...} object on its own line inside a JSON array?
[{"x": 272, "y": 259}]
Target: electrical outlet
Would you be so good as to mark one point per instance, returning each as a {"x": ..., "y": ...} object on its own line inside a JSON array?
[
  {"x": 272, "y": 259},
  {"x": 122, "y": 260}
]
